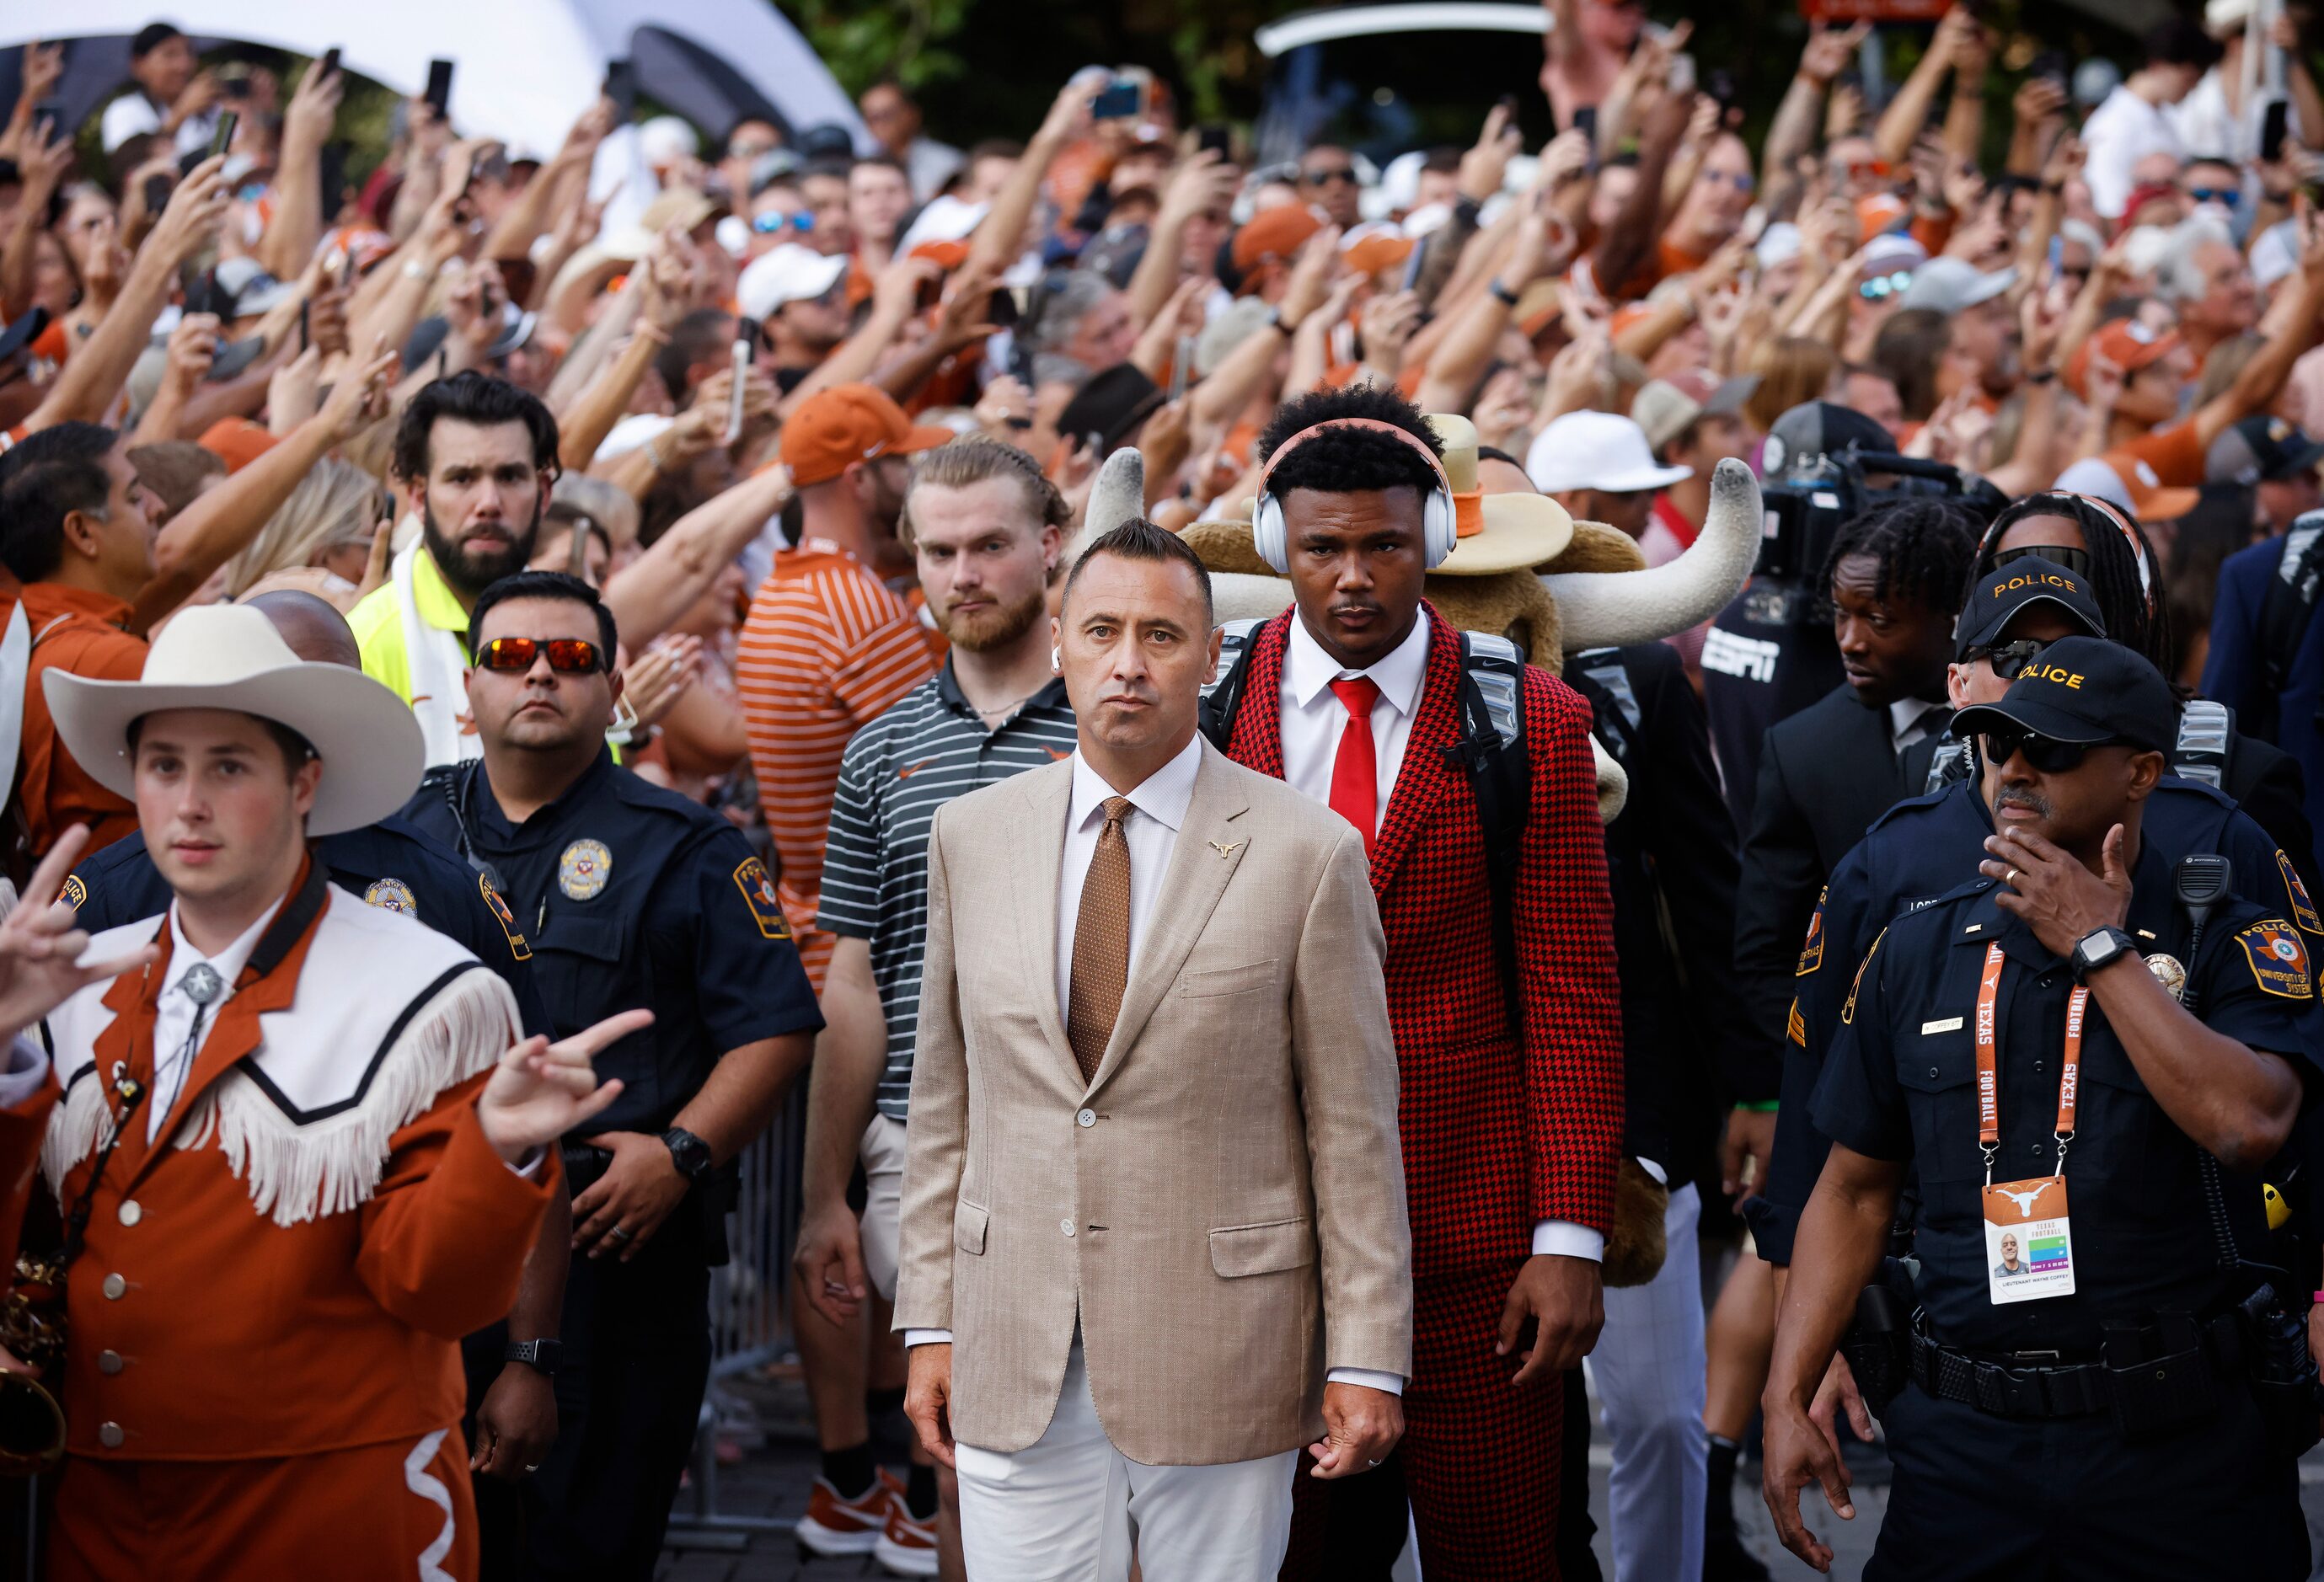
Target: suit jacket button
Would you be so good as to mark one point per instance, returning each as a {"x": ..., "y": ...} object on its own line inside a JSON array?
[
  {"x": 108, "y": 1362},
  {"x": 1087, "y": 1118},
  {"x": 1067, "y": 1226},
  {"x": 131, "y": 1213},
  {"x": 114, "y": 1287},
  {"x": 109, "y": 1435}
]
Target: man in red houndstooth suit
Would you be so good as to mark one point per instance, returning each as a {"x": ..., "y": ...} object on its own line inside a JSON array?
[{"x": 1510, "y": 1134}]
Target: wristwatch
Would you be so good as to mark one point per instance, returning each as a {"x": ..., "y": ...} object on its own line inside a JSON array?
[
  {"x": 689, "y": 1152},
  {"x": 2099, "y": 947},
  {"x": 540, "y": 1356}
]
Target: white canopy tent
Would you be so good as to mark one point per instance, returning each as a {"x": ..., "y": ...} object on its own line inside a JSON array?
[{"x": 524, "y": 67}]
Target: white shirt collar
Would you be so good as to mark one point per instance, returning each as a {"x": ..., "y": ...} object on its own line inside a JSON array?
[
  {"x": 1308, "y": 669},
  {"x": 228, "y": 963},
  {"x": 1905, "y": 714},
  {"x": 1163, "y": 796}
]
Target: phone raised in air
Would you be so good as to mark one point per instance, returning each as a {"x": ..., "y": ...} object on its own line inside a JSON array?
[
  {"x": 1119, "y": 100},
  {"x": 329, "y": 63},
  {"x": 2273, "y": 130},
  {"x": 223, "y": 138},
  {"x": 439, "y": 88},
  {"x": 1216, "y": 137},
  {"x": 622, "y": 86}
]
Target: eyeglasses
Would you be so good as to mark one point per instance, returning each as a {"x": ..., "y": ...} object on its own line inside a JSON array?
[
  {"x": 2009, "y": 659},
  {"x": 1880, "y": 288},
  {"x": 1741, "y": 180},
  {"x": 2055, "y": 554},
  {"x": 1330, "y": 173},
  {"x": 2230, "y": 196},
  {"x": 2043, "y": 755},
  {"x": 775, "y": 224},
  {"x": 567, "y": 656}
]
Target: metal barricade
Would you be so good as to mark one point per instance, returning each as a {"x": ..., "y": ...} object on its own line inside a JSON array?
[{"x": 750, "y": 1325}]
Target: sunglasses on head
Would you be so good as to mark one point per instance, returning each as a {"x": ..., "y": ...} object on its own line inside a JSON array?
[
  {"x": 2044, "y": 755},
  {"x": 2072, "y": 559},
  {"x": 567, "y": 656},
  {"x": 1331, "y": 173},
  {"x": 1880, "y": 288}
]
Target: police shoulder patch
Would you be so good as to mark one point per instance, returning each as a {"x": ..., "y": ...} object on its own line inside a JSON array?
[
  {"x": 2303, "y": 910},
  {"x": 2278, "y": 959},
  {"x": 74, "y": 891},
  {"x": 518, "y": 947},
  {"x": 1848, "y": 1009},
  {"x": 1811, "y": 950},
  {"x": 392, "y": 895},
  {"x": 759, "y": 894}
]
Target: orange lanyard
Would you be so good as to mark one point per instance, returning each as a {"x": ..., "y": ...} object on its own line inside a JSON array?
[{"x": 1988, "y": 1075}]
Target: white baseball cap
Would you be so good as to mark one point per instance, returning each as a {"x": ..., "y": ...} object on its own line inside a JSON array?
[
  {"x": 1597, "y": 450},
  {"x": 1949, "y": 285},
  {"x": 787, "y": 273}
]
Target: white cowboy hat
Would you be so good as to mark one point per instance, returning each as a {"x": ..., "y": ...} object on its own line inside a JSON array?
[{"x": 230, "y": 657}]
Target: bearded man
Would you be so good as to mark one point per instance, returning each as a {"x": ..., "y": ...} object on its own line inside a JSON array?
[
  {"x": 475, "y": 457},
  {"x": 986, "y": 529}
]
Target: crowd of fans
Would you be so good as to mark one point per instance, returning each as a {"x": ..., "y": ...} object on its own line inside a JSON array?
[{"x": 746, "y": 333}]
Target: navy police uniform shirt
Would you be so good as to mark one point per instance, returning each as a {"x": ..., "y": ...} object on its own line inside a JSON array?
[
  {"x": 389, "y": 864},
  {"x": 1918, "y": 849},
  {"x": 634, "y": 897},
  {"x": 1901, "y": 1084}
]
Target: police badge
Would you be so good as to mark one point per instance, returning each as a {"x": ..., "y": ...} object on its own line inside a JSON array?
[
  {"x": 584, "y": 869},
  {"x": 392, "y": 895},
  {"x": 2168, "y": 972}
]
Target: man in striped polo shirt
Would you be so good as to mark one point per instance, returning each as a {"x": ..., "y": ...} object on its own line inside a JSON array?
[
  {"x": 987, "y": 529},
  {"x": 827, "y": 647}
]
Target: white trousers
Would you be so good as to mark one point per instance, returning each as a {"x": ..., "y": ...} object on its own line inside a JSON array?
[
  {"x": 881, "y": 1152},
  {"x": 1650, "y": 1369},
  {"x": 1071, "y": 1508}
]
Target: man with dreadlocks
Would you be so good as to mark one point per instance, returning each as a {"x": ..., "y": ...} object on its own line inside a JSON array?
[{"x": 2107, "y": 545}]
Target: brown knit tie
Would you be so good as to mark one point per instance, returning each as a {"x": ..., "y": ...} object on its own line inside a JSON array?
[{"x": 1101, "y": 944}]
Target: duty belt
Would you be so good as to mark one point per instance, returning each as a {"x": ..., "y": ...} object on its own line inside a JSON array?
[{"x": 2014, "y": 1385}]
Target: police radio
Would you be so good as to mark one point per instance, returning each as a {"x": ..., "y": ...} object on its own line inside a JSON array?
[{"x": 1806, "y": 506}]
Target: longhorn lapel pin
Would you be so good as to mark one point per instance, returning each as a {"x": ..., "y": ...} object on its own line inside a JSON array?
[{"x": 1227, "y": 848}]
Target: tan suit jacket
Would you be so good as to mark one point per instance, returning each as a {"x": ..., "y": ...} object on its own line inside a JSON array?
[{"x": 1222, "y": 1207}]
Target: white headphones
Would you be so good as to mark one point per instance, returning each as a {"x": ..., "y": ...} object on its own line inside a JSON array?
[{"x": 1440, "y": 518}]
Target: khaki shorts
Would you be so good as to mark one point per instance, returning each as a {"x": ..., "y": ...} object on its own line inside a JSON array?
[{"x": 883, "y": 1154}]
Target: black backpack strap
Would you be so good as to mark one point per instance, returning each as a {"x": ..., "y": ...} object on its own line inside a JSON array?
[
  {"x": 2291, "y": 601},
  {"x": 1494, "y": 754},
  {"x": 1615, "y": 715},
  {"x": 1221, "y": 698}
]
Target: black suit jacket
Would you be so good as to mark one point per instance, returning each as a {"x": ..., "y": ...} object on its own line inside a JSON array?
[{"x": 1825, "y": 775}]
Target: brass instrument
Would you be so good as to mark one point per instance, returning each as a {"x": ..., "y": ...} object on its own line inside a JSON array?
[{"x": 32, "y": 1329}]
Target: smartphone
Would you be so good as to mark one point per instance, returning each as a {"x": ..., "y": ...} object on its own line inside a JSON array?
[
  {"x": 332, "y": 171},
  {"x": 302, "y": 325},
  {"x": 622, "y": 86},
  {"x": 439, "y": 88},
  {"x": 1682, "y": 74},
  {"x": 1585, "y": 122},
  {"x": 50, "y": 112},
  {"x": 235, "y": 358},
  {"x": 223, "y": 138},
  {"x": 330, "y": 61},
  {"x": 734, "y": 395},
  {"x": 2273, "y": 128},
  {"x": 234, "y": 87},
  {"x": 158, "y": 188},
  {"x": 1720, "y": 84},
  {"x": 1182, "y": 364},
  {"x": 1217, "y": 138},
  {"x": 1119, "y": 101}
]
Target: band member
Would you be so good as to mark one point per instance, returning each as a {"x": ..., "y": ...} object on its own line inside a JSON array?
[{"x": 297, "y": 1146}]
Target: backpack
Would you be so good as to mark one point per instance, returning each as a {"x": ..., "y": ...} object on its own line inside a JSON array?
[{"x": 1492, "y": 755}]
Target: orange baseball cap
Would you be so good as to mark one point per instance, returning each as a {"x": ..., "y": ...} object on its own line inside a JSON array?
[
  {"x": 834, "y": 428},
  {"x": 1878, "y": 214},
  {"x": 1273, "y": 234},
  {"x": 2150, "y": 500},
  {"x": 1370, "y": 248},
  {"x": 2126, "y": 342},
  {"x": 237, "y": 441}
]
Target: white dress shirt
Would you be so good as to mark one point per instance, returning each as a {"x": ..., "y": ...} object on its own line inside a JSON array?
[
  {"x": 1158, "y": 808},
  {"x": 173, "y": 1013},
  {"x": 1909, "y": 721},
  {"x": 1313, "y": 719}
]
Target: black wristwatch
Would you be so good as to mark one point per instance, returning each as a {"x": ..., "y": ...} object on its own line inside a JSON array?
[
  {"x": 540, "y": 1356},
  {"x": 2099, "y": 947},
  {"x": 689, "y": 1152}
]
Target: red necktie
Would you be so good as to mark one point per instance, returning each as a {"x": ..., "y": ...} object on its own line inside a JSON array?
[{"x": 1355, "y": 768}]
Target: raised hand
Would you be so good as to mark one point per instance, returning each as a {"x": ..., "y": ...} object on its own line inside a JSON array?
[
  {"x": 541, "y": 1091},
  {"x": 42, "y": 944}
]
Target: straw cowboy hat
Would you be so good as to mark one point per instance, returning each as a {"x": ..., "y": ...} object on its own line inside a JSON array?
[
  {"x": 230, "y": 657},
  {"x": 1498, "y": 532}
]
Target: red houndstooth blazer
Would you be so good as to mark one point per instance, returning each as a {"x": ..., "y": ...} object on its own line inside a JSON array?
[{"x": 1499, "y": 1130}]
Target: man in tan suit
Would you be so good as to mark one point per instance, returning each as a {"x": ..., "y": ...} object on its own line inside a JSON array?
[{"x": 1154, "y": 1234}]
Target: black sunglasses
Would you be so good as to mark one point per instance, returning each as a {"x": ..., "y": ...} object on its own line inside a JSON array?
[
  {"x": 1332, "y": 173},
  {"x": 567, "y": 656},
  {"x": 2009, "y": 659},
  {"x": 2043, "y": 754},
  {"x": 2055, "y": 554}
]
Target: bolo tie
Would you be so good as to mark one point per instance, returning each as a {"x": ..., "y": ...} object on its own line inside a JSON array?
[{"x": 202, "y": 984}]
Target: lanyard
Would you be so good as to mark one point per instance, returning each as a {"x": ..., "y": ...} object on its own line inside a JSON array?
[{"x": 1988, "y": 1076}]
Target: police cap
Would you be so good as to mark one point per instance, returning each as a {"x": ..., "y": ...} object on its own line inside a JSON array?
[
  {"x": 2013, "y": 585},
  {"x": 2083, "y": 689}
]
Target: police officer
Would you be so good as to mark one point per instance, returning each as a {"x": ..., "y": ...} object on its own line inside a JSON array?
[
  {"x": 1928, "y": 844},
  {"x": 631, "y": 896},
  {"x": 2064, "y": 1049}
]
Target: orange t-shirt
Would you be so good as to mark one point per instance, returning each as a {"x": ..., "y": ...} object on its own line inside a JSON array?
[
  {"x": 827, "y": 650},
  {"x": 78, "y": 632},
  {"x": 2176, "y": 454}
]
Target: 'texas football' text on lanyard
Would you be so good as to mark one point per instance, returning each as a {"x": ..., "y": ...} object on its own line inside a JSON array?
[{"x": 2028, "y": 1243}]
